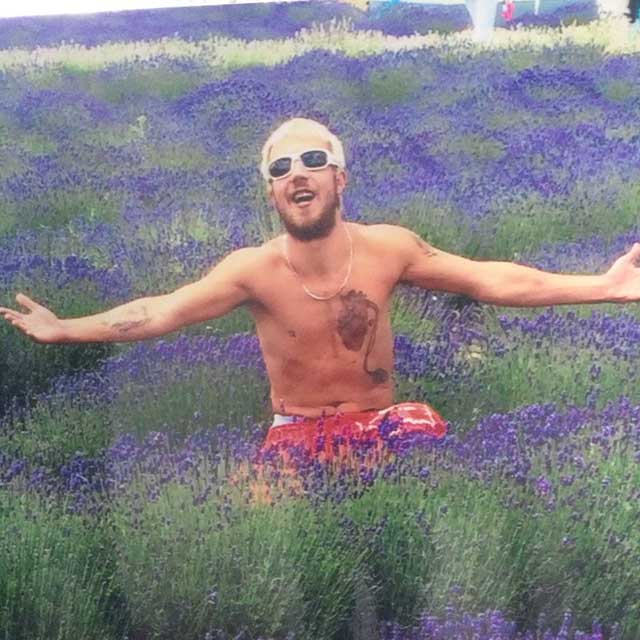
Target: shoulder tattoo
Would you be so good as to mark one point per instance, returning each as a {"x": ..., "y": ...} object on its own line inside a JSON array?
[{"x": 426, "y": 248}]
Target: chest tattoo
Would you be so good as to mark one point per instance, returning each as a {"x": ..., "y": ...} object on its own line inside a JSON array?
[{"x": 358, "y": 316}]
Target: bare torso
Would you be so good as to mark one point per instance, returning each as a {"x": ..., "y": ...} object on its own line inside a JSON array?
[{"x": 333, "y": 355}]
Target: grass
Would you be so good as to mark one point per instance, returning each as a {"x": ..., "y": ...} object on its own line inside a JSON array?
[
  {"x": 516, "y": 229},
  {"x": 251, "y": 558},
  {"x": 604, "y": 37},
  {"x": 56, "y": 573},
  {"x": 477, "y": 544},
  {"x": 58, "y": 208}
]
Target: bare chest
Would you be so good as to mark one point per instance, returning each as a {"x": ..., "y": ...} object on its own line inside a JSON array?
[
  {"x": 345, "y": 323},
  {"x": 351, "y": 331},
  {"x": 349, "y": 315}
]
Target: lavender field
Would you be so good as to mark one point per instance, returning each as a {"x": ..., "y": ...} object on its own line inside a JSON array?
[{"x": 129, "y": 166}]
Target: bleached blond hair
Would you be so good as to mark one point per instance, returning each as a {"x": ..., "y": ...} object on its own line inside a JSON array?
[{"x": 309, "y": 126}]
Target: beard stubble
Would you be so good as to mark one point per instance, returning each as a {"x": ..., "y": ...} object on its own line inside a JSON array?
[{"x": 319, "y": 228}]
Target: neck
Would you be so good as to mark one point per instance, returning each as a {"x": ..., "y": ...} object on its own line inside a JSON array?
[{"x": 320, "y": 257}]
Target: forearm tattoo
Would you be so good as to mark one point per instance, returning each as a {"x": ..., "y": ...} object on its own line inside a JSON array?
[
  {"x": 358, "y": 317},
  {"x": 125, "y": 326},
  {"x": 427, "y": 249}
]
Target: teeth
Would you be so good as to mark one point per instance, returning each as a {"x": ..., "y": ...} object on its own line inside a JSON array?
[{"x": 302, "y": 196}]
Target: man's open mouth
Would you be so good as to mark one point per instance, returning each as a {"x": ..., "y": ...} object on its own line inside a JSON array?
[{"x": 303, "y": 196}]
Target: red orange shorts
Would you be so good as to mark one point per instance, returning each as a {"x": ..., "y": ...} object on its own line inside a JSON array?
[{"x": 352, "y": 435}]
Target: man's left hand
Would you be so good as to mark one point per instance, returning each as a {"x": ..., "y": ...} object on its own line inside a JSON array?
[{"x": 624, "y": 276}]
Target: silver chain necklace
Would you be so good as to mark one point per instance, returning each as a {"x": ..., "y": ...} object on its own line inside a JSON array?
[{"x": 344, "y": 282}]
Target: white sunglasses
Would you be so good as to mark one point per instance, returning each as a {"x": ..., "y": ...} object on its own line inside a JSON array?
[{"x": 313, "y": 159}]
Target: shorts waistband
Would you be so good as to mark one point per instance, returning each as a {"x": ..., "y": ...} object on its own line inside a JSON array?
[{"x": 280, "y": 419}]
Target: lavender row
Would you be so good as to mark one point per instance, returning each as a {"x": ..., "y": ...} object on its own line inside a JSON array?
[
  {"x": 539, "y": 131},
  {"x": 500, "y": 445},
  {"x": 491, "y": 625},
  {"x": 589, "y": 457},
  {"x": 112, "y": 265},
  {"x": 600, "y": 332},
  {"x": 594, "y": 254}
]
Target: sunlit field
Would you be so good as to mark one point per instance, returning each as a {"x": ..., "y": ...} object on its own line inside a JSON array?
[{"x": 129, "y": 161}]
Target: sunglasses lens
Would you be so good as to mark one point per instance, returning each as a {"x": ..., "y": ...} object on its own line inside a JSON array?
[
  {"x": 280, "y": 167},
  {"x": 315, "y": 159}
]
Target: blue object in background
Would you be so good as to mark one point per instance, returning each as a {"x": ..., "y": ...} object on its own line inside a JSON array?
[{"x": 382, "y": 7}]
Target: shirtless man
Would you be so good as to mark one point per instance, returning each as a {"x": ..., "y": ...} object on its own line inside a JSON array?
[{"x": 320, "y": 296}]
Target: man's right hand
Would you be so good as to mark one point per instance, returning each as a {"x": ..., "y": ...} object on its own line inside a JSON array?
[
  {"x": 40, "y": 324},
  {"x": 221, "y": 290}
]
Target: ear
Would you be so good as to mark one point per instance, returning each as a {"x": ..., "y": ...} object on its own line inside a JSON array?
[{"x": 341, "y": 180}]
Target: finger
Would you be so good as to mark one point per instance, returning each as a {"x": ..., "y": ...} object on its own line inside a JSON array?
[
  {"x": 19, "y": 325},
  {"x": 27, "y": 302},
  {"x": 10, "y": 314}
]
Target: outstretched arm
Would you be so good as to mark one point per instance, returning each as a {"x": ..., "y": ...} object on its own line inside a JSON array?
[
  {"x": 509, "y": 284},
  {"x": 223, "y": 289}
]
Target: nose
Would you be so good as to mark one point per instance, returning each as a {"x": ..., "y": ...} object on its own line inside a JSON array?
[{"x": 297, "y": 167}]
